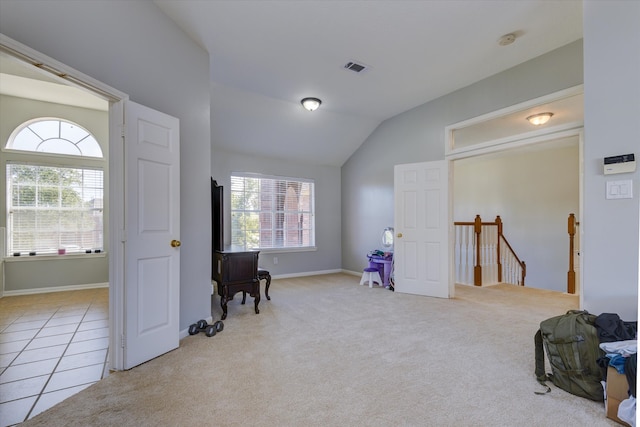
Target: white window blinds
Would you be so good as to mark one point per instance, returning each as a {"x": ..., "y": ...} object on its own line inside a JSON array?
[{"x": 271, "y": 212}]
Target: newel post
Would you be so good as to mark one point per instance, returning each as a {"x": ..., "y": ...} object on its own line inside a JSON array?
[
  {"x": 499, "y": 260},
  {"x": 571, "y": 275},
  {"x": 477, "y": 269}
]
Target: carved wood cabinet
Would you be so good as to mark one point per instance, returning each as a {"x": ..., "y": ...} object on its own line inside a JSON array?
[
  {"x": 236, "y": 272},
  {"x": 232, "y": 271}
]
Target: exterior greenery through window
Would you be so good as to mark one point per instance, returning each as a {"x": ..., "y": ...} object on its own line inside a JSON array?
[
  {"x": 271, "y": 212},
  {"x": 52, "y": 207}
]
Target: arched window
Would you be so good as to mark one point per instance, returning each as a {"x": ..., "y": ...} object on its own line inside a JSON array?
[
  {"x": 54, "y": 136},
  {"x": 55, "y": 198}
]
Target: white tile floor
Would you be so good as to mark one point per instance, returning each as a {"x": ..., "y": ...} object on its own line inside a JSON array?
[{"x": 51, "y": 347}]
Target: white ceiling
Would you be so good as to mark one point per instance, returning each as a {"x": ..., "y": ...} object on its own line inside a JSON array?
[{"x": 266, "y": 55}]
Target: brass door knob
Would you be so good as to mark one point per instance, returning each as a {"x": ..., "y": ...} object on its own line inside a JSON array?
[
  {"x": 175, "y": 243},
  {"x": 399, "y": 235}
]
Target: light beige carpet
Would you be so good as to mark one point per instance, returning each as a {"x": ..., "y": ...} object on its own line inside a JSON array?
[{"x": 328, "y": 352}]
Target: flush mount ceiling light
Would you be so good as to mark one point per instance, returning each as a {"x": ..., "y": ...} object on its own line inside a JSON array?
[
  {"x": 311, "y": 104},
  {"x": 539, "y": 119}
]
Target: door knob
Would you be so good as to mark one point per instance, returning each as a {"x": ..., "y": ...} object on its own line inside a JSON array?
[
  {"x": 399, "y": 235},
  {"x": 175, "y": 243}
]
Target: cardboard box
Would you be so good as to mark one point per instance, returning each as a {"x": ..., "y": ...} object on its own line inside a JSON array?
[{"x": 617, "y": 391}]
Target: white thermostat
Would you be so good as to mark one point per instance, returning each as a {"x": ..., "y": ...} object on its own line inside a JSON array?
[{"x": 620, "y": 164}]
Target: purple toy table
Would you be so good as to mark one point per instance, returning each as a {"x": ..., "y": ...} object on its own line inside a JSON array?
[{"x": 383, "y": 264}]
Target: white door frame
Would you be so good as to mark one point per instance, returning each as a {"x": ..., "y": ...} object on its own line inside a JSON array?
[
  {"x": 521, "y": 140},
  {"x": 117, "y": 99}
]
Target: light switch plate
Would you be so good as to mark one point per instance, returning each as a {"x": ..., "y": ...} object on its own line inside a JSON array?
[{"x": 620, "y": 189}]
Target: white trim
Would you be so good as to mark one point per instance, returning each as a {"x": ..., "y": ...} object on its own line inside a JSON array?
[
  {"x": 274, "y": 177},
  {"x": 59, "y": 71},
  {"x": 572, "y": 91},
  {"x": 520, "y": 140},
  {"x": 55, "y": 289},
  {"x": 352, "y": 273},
  {"x": 285, "y": 250},
  {"x": 307, "y": 273},
  {"x": 116, "y": 234},
  {"x": 579, "y": 214},
  {"x": 117, "y": 99},
  {"x": 516, "y": 141},
  {"x": 53, "y": 257}
]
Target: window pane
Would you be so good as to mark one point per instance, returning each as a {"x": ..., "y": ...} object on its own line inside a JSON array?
[
  {"x": 26, "y": 140},
  {"x": 90, "y": 147},
  {"x": 271, "y": 213},
  {"x": 56, "y": 137},
  {"x": 46, "y": 129},
  {"x": 59, "y": 146},
  {"x": 72, "y": 132},
  {"x": 52, "y": 208}
]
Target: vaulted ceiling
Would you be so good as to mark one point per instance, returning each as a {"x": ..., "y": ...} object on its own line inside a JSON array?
[{"x": 266, "y": 56}]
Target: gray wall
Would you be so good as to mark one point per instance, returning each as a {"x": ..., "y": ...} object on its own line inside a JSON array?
[
  {"x": 327, "y": 257},
  {"x": 57, "y": 271},
  {"x": 612, "y": 102},
  {"x": 133, "y": 47},
  {"x": 418, "y": 136},
  {"x": 612, "y": 99},
  {"x": 534, "y": 206}
]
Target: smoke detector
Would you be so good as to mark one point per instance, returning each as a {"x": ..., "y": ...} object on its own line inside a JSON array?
[{"x": 507, "y": 39}]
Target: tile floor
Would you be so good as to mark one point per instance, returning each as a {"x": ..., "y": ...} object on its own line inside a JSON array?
[{"x": 51, "y": 346}]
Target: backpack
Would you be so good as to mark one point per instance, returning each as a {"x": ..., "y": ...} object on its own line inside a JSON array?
[{"x": 572, "y": 346}]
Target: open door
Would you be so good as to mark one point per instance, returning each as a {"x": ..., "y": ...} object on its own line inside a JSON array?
[
  {"x": 152, "y": 233},
  {"x": 421, "y": 212}
]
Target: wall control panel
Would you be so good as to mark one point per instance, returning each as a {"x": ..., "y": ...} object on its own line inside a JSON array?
[{"x": 624, "y": 163}]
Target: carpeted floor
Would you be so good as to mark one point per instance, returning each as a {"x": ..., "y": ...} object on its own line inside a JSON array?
[{"x": 328, "y": 352}]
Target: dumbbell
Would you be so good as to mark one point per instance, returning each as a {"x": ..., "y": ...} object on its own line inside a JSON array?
[{"x": 209, "y": 330}]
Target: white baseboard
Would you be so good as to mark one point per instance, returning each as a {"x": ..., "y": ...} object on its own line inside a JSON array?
[
  {"x": 55, "y": 289},
  {"x": 353, "y": 273},
  {"x": 306, "y": 273}
]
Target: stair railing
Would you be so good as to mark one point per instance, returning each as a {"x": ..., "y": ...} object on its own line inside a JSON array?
[{"x": 484, "y": 256}]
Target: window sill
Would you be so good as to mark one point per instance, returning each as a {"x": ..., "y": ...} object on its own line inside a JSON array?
[
  {"x": 286, "y": 250},
  {"x": 52, "y": 257}
]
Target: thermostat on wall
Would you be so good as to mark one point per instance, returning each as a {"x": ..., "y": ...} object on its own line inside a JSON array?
[{"x": 619, "y": 164}]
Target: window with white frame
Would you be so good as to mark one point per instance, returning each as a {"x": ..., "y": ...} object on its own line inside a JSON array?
[
  {"x": 55, "y": 193},
  {"x": 269, "y": 212}
]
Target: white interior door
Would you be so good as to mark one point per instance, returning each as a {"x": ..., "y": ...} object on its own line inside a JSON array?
[
  {"x": 152, "y": 224},
  {"x": 421, "y": 246}
]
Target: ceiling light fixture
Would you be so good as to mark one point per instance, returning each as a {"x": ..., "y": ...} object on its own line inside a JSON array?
[
  {"x": 539, "y": 119},
  {"x": 311, "y": 104}
]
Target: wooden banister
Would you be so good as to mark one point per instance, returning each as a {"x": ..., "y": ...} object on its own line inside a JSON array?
[
  {"x": 490, "y": 247},
  {"x": 477, "y": 269},
  {"x": 571, "y": 274},
  {"x": 500, "y": 237}
]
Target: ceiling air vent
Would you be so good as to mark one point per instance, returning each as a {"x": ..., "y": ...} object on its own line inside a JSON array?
[{"x": 353, "y": 66}]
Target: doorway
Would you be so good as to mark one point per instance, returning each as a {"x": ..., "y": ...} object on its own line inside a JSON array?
[
  {"x": 505, "y": 144},
  {"x": 59, "y": 339}
]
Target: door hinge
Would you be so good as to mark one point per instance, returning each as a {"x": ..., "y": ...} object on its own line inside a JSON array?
[{"x": 122, "y": 341}]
